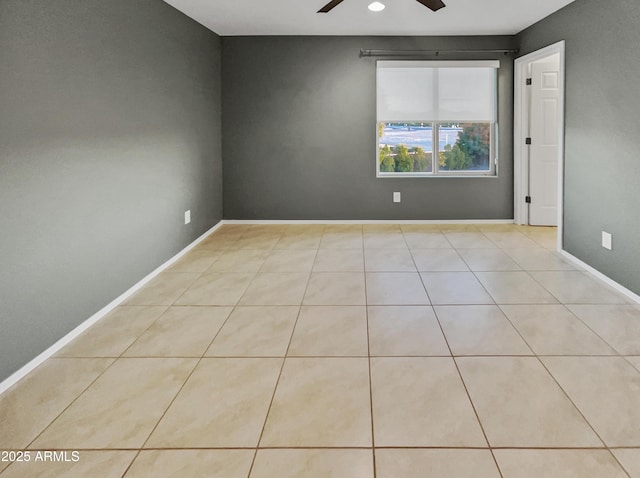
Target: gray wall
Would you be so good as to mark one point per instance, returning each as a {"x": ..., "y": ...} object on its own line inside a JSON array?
[
  {"x": 299, "y": 134},
  {"x": 602, "y": 140},
  {"x": 109, "y": 131}
]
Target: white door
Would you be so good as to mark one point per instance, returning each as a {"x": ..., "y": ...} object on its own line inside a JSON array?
[{"x": 544, "y": 149}]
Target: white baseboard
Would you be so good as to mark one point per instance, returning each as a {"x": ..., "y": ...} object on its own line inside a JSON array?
[
  {"x": 600, "y": 276},
  {"x": 31, "y": 365},
  {"x": 357, "y": 221}
]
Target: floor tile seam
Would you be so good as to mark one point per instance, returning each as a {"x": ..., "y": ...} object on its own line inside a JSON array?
[
  {"x": 622, "y": 467},
  {"x": 517, "y": 331},
  {"x": 426, "y": 291},
  {"x": 137, "y": 336},
  {"x": 615, "y": 349},
  {"x": 145, "y": 330},
  {"x": 361, "y": 234},
  {"x": 615, "y": 353},
  {"x": 204, "y": 356},
  {"x": 558, "y": 301},
  {"x": 244, "y": 292},
  {"x": 557, "y": 382},
  {"x": 133, "y": 460},
  {"x": 373, "y": 434},
  {"x": 299, "y": 239},
  {"x": 114, "y": 360},
  {"x": 600, "y": 303},
  {"x": 473, "y": 407},
  {"x": 469, "y": 265},
  {"x": 447, "y": 239},
  {"x": 275, "y": 388},
  {"x": 354, "y": 356},
  {"x": 518, "y": 263},
  {"x": 178, "y": 306},
  {"x": 566, "y": 394},
  {"x": 442, "y": 248},
  {"x": 344, "y": 447},
  {"x": 571, "y": 400},
  {"x": 461, "y": 378},
  {"x": 506, "y": 250},
  {"x": 498, "y": 448},
  {"x": 626, "y": 357},
  {"x": 308, "y": 271},
  {"x": 493, "y": 299},
  {"x": 475, "y": 411},
  {"x": 200, "y": 274},
  {"x": 394, "y": 271},
  {"x": 337, "y": 271},
  {"x": 289, "y": 249},
  {"x": 181, "y": 387},
  {"x": 502, "y": 247},
  {"x": 386, "y": 248},
  {"x": 587, "y": 275},
  {"x": 171, "y": 402}
]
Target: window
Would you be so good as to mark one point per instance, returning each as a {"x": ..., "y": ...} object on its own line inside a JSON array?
[{"x": 436, "y": 118}]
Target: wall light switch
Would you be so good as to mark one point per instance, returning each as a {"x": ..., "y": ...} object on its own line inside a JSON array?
[
  {"x": 187, "y": 216},
  {"x": 606, "y": 240},
  {"x": 396, "y": 197}
]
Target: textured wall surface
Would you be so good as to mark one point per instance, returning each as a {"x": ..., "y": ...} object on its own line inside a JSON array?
[
  {"x": 110, "y": 129},
  {"x": 299, "y": 134},
  {"x": 602, "y": 136}
]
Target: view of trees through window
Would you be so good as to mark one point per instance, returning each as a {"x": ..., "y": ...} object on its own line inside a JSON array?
[{"x": 409, "y": 147}]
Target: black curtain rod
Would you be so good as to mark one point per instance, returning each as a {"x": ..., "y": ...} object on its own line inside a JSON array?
[{"x": 418, "y": 53}]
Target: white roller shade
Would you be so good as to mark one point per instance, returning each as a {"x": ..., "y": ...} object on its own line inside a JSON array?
[
  {"x": 406, "y": 94},
  {"x": 436, "y": 91}
]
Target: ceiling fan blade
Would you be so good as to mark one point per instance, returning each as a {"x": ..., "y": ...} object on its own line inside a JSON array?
[
  {"x": 330, "y": 6},
  {"x": 434, "y": 5}
]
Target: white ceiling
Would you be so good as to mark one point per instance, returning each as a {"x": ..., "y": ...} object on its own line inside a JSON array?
[{"x": 401, "y": 17}]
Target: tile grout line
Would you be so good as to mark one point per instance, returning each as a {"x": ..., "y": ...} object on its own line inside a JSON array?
[
  {"x": 528, "y": 272},
  {"x": 566, "y": 394},
  {"x": 583, "y": 417},
  {"x": 613, "y": 355},
  {"x": 199, "y": 275},
  {"x": 484, "y": 433},
  {"x": 269, "y": 251},
  {"x": 585, "y": 274},
  {"x": 475, "y": 411},
  {"x": 145, "y": 330},
  {"x": 284, "y": 359},
  {"x": 27, "y": 447},
  {"x": 366, "y": 308},
  {"x": 565, "y": 304},
  {"x": 114, "y": 360},
  {"x": 617, "y": 352},
  {"x": 382, "y": 447},
  {"x": 486, "y": 439},
  {"x": 142, "y": 447}
]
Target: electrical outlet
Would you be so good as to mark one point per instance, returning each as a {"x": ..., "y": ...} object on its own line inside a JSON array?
[
  {"x": 187, "y": 216},
  {"x": 606, "y": 240},
  {"x": 396, "y": 197}
]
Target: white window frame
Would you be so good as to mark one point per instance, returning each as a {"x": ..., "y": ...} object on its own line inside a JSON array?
[{"x": 436, "y": 171}]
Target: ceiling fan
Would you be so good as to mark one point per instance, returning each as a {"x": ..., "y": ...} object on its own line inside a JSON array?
[{"x": 434, "y": 5}]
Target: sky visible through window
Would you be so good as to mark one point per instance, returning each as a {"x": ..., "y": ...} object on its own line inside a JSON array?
[{"x": 417, "y": 136}]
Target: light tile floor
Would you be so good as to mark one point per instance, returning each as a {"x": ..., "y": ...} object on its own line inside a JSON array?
[{"x": 346, "y": 351}]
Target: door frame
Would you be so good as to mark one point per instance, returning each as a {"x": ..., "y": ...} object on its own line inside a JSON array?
[{"x": 520, "y": 153}]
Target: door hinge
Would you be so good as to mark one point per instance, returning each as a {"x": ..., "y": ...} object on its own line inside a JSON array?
[
  {"x": 529, "y": 81},
  {"x": 527, "y": 199},
  {"x": 527, "y": 141}
]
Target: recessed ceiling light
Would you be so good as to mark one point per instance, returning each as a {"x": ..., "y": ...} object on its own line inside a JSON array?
[{"x": 376, "y": 7}]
